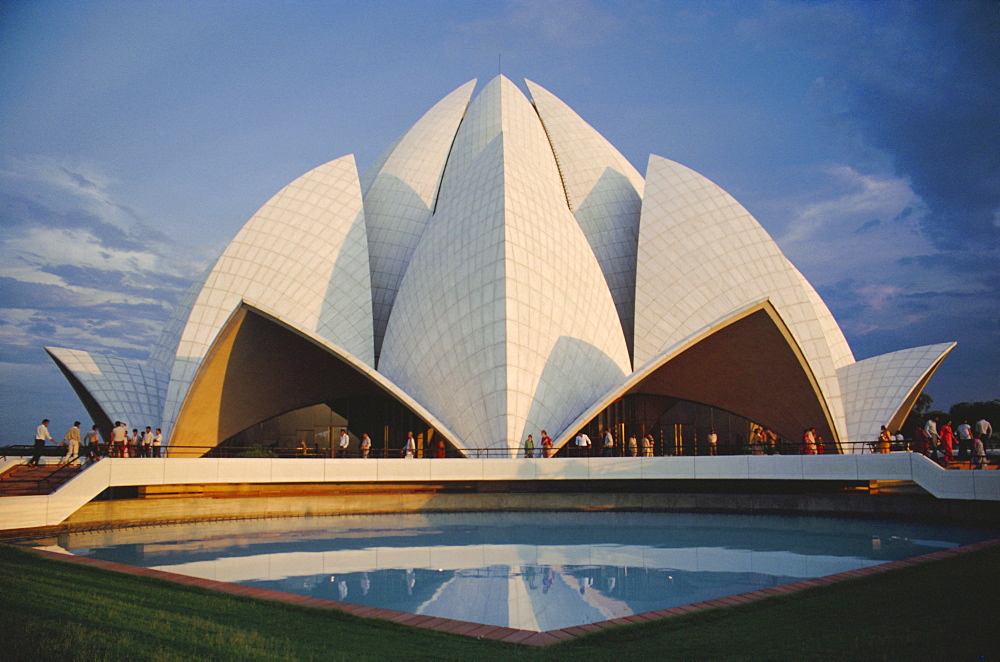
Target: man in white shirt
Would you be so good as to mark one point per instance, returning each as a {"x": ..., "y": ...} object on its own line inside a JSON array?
[
  {"x": 345, "y": 441},
  {"x": 41, "y": 435},
  {"x": 72, "y": 441},
  {"x": 713, "y": 442},
  {"x": 930, "y": 428},
  {"x": 366, "y": 445},
  {"x": 157, "y": 442},
  {"x": 608, "y": 449},
  {"x": 582, "y": 442},
  {"x": 983, "y": 429},
  {"x": 147, "y": 443},
  {"x": 118, "y": 435}
]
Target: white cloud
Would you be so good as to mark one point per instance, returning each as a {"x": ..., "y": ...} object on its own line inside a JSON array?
[{"x": 852, "y": 223}]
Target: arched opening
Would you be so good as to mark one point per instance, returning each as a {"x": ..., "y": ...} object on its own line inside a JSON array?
[
  {"x": 747, "y": 364},
  {"x": 260, "y": 377}
]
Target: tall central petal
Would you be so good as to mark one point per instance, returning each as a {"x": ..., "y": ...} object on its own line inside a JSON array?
[{"x": 504, "y": 323}]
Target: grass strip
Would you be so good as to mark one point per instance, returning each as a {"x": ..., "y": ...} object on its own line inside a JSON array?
[{"x": 58, "y": 611}]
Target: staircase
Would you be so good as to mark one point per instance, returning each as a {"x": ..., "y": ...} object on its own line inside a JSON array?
[{"x": 24, "y": 480}]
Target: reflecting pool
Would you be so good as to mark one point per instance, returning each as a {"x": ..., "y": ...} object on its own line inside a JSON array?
[{"x": 533, "y": 571}]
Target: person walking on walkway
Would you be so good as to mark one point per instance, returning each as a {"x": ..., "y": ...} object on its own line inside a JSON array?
[
  {"x": 93, "y": 440},
  {"x": 546, "y": 445},
  {"x": 964, "y": 432},
  {"x": 713, "y": 442},
  {"x": 72, "y": 441},
  {"x": 366, "y": 446},
  {"x": 529, "y": 447},
  {"x": 41, "y": 435},
  {"x": 608, "y": 449},
  {"x": 978, "y": 454},
  {"x": 947, "y": 441},
  {"x": 410, "y": 446},
  {"x": 984, "y": 430},
  {"x": 883, "y": 440},
  {"x": 633, "y": 446},
  {"x": 147, "y": 442},
  {"x": 582, "y": 443}
]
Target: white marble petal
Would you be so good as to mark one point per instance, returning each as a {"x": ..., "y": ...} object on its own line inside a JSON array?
[
  {"x": 503, "y": 323},
  {"x": 304, "y": 258},
  {"x": 876, "y": 388},
  {"x": 701, "y": 254},
  {"x": 603, "y": 190},
  {"x": 125, "y": 390}
]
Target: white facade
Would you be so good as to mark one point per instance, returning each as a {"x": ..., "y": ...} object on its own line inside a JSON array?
[{"x": 503, "y": 269}]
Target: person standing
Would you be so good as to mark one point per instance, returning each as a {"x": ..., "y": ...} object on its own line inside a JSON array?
[
  {"x": 920, "y": 444},
  {"x": 808, "y": 442},
  {"x": 633, "y": 446},
  {"x": 72, "y": 441},
  {"x": 964, "y": 441},
  {"x": 345, "y": 441},
  {"x": 93, "y": 440},
  {"x": 647, "y": 445},
  {"x": 147, "y": 443},
  {"x": 713, "y": 442},
  {"x": 366, "y": 446},
  {"x": 410, "y": 447},
  {"x": 947, "y": 441},
  {"x": 546, "y": 445},
  {"x": 41, "y": 434},
  {"x": 157, "y": 442},
  {"x": 608, "y": 449},
  {"x": 582, "y": 443},
  {"x": 529, "y": 447},
  {"x": 118, "y": 438},
  {"x": 978, "y": 454},
  {"x": 930, "y": 429},
  {"x": 884, "y": 440},
  {"x": 984, "y": 430}
]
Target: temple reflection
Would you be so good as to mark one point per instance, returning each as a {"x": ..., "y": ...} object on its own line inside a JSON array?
[{"x": 532, "y": 571}]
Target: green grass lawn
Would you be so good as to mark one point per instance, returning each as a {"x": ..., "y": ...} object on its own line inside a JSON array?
[{"x": 945, "y": 610}]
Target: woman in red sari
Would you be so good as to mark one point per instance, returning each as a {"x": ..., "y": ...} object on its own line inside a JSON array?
[
  {"x": 546, "y": 444},
  {"x": 947, "y": 441}
]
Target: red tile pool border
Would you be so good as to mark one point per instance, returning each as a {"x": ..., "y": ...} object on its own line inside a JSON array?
[{"x": 511, "y": 635}]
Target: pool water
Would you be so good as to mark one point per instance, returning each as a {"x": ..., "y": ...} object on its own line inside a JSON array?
[{"x": 534, "y": 571}]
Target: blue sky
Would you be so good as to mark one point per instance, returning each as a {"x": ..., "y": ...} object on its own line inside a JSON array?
[{"x": 137, "y": 138}]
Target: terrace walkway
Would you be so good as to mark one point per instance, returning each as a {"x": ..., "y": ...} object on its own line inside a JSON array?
[{"x": 38, "y": 510}]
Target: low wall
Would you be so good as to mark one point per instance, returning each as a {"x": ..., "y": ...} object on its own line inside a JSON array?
[
  {"x": 139, "y": 512},
  {"x": 756, "y": 472}
]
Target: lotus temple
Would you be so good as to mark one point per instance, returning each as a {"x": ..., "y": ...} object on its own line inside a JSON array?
[{"x": 500, "y": 270}]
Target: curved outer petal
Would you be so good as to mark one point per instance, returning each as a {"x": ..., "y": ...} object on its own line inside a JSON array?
[
  {"x": 126, "y": 391},
  {"x": 840, "y": 351},
  {"x": 303, "y": 256},
  {"x": 400, "y": 198},
  {"x": 604, "y": 192},
  {"x": 504, "y": 323},
  {"x": 881, "y": 390},
  {"x": 165, "y": 350},
  {"x": 702, "y": 254}
]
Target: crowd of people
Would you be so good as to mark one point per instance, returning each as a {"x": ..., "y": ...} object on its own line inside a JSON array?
[
  {"x": 938, "y": 441},
  {"x": 91, "y": 447}
]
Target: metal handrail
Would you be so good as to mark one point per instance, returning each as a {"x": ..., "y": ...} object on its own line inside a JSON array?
[{"x": 273, "y": 451}]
